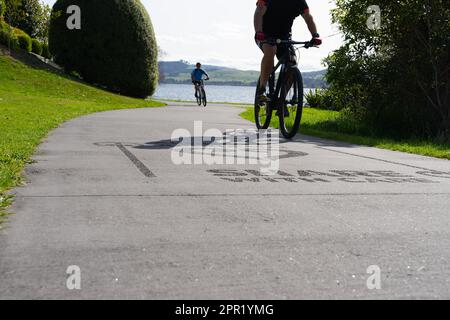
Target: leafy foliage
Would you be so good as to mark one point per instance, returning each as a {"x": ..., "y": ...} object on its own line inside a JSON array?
[
  {"x": 28, "y": 15},
  {"x": 37, "y": 47},
  {"x": 7, "y": 37},
  {"x": 395, "y": 80},
  {"x": 2, "y": 7},
  {"x": 45, "y": 51},
  {"x": 16, "y": 39},
  {"x": 24, "y": 41},
  {"x": 321, "y": 99},
  {"x": 313, "y": 99},
  {"x": 115, "y": 48}
]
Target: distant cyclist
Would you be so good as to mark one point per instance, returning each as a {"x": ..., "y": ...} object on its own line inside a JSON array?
[
  {"x": 274, "y": 20},
  {"x": 197, "y": 76}
]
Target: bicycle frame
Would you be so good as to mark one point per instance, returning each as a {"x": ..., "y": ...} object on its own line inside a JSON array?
[
  {"x": 199, "y": 85},
  {"x": 284, "y": 64},
  {"x": 200, "y": 92}
]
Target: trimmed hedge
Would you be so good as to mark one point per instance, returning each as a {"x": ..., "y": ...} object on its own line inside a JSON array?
[
  {"x": 23, "y": 39},
  {"x": 115, "y": 48},
  {"x": 17, "y": 39},
  {"x": 45, "y": 51},
  {"x": 37, "y": 47},
  {"x": 3, "y": 24},
  {"x": 2, "y": 8},
  {"x": 7, "y": 35}
]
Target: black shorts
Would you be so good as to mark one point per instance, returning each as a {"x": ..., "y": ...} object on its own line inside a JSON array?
[{"x": 282, "y": 49}]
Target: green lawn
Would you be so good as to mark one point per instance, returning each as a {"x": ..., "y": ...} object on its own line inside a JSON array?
[
  {"x": 32, "y": 103},
  {"x": 325, "y": 124}
]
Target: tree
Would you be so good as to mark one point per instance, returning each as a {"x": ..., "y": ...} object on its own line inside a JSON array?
[
  {"x": 28, "y": 15},
  {"x": 394, "y": 80},
  {"x": 162, "y": 75},
  {"x": 115, "y": 46},
  {"x": 43, "y": 22},
  {"x": 13, "y": 13}
]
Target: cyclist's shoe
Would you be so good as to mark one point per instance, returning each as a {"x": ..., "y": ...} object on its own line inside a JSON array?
[{"x": 261, "y": 97}]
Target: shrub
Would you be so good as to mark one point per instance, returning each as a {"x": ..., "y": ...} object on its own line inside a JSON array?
[
  {"x": 331, "y": 101},
  {"x": 7, "y": 36},
  {"x": 2, "y": 7},
  {"x": 36, "y": 47},
  {"x": 31, "y": 16},
  {"x": 323, "y": 99},
  {"x": 314, "y": 98},
  {"x": 396, "y": 78},
  {"x": 115, "y": 47},
  {"x": 3, "y": 24},
  {"x": 24, "y": 40},
  {"x": 46, "y": 52},
  {"x": 4, "y": 37}
]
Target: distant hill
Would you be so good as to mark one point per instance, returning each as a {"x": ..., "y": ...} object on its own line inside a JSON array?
[{"x": 179, "y": 72}]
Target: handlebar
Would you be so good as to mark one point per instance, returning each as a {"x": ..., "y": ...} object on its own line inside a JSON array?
[{"x": 306, "y": 44}]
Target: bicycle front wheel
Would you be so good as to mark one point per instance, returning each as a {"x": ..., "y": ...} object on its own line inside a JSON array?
[
  {"x": 263, "y": 112},
  {"x": 291, "y": 103},
  {"x": 205, "y": 102},
  {"x": 199, "y": 97}
]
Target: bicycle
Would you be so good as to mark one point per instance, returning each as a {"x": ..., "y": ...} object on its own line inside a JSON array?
[
  {"x": 200, "y": 93},
  {"x": 285, "y": 94}
]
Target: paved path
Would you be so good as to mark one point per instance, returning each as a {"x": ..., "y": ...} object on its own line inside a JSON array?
[{"x": 104, "y": 195}]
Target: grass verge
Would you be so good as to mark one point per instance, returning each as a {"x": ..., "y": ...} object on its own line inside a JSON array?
[
  {"x": 325, "y": 124},
  {"x": 34, "y": 101}
]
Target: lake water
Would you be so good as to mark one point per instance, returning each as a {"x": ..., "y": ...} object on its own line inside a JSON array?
[{"x": 185, "y": 92}]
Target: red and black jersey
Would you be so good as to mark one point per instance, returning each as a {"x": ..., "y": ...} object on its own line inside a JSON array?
[{"x": 280, "y": 16}]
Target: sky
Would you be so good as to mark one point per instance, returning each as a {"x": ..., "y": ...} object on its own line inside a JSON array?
[{"x": 221, "y": 32}]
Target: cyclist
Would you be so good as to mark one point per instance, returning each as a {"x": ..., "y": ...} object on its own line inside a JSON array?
[
  {"x": 274, "y": 20},
  {"x": 197, "y": 75}
]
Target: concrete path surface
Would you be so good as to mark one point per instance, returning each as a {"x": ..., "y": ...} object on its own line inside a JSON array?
[{"x": 104, "y": 195}]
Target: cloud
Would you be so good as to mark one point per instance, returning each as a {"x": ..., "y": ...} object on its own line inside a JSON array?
[{"x": 228, "y": 30}]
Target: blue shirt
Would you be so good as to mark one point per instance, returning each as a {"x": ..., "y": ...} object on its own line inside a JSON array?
[{"x": 197, "y": 74}]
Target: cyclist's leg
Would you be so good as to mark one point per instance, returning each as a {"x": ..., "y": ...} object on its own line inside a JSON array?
[
  {"x": 292, "y": 62},
  {"x": 196, "y": 88},
  {"x": 267, "y": 63}
]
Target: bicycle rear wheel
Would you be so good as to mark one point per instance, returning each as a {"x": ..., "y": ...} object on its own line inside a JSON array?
[
  {"x": 205, "y": 102},
  {"x": 291, "y": 108},
  {"x": 263, "y": 111}
]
